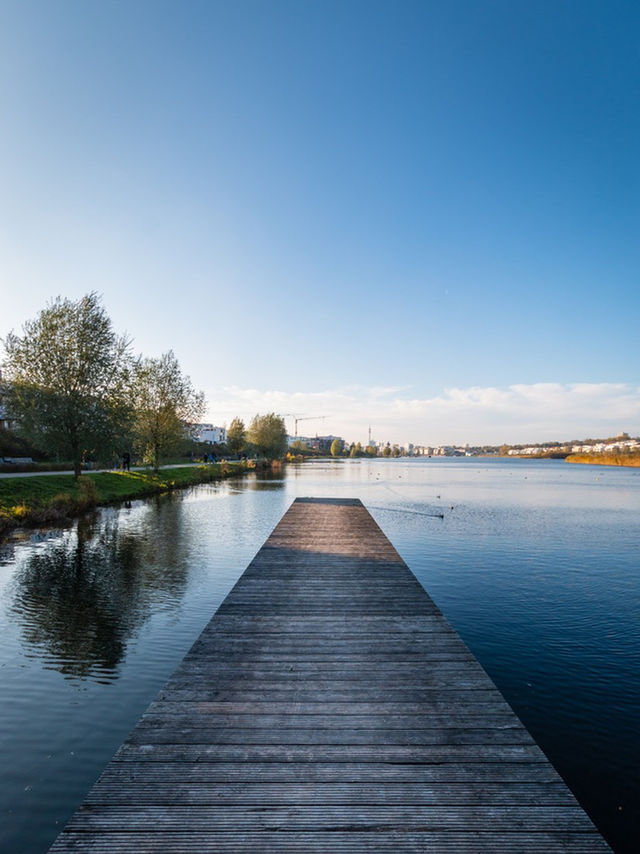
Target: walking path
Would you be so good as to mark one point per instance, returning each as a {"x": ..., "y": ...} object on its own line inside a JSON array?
[
  {"x": 95, "y": 471},
  {"x": 329, "y": 707}
]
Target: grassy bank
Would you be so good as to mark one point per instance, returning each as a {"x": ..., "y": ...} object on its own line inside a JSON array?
[
  {"x": 29, "y": 501},
  {"x": 606, "y": 459}
]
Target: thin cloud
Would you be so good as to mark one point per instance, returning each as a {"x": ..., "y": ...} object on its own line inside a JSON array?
[{"x": 478, "y": 415}]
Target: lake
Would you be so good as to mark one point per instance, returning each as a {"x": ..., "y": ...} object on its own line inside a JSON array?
[{"x": 535, "y": 563}]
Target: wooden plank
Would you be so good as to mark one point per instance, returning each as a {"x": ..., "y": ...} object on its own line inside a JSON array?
[
  {"x": 308, "y": 694},
  {"x": 172, "y": 734},
  {"x": 439, "y": 705},
  {"x": 323, "y": 842},
  {"x": 323, "y": 667},
  {"x": 328, "y": 706},
  {"x": 405, "y": 723},
  {"x": 174, "y": 793},
  {"x": 197, "y": 772},
  {"x": 328, "y": 817},
  {"x": 325, "y": 687},
  {"x": 423, "y": 755}
]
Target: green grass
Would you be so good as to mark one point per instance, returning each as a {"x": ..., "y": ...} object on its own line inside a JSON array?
[{"x": 38, "y": 500}]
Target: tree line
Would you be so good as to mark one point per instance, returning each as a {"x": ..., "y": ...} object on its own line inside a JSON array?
[
  {"x": 266, "y": 436},
  {"x": 355, "y": 449},
  {"x": 76, "y": 391}
]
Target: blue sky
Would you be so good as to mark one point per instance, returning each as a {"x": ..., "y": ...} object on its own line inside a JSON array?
[{"x": 422, "y": 216}]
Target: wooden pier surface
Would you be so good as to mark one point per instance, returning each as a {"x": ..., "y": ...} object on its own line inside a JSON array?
[{"x": 329, "y": 707}]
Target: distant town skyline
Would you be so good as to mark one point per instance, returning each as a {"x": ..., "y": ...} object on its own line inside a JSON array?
[
  {"x": 478, "y": 416},
  {"x": 420, "y": 217}
]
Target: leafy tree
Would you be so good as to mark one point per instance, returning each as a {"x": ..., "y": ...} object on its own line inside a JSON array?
[
  {"x": 164, "y": 403},
  {"x": 236, "y": 436},
  {"x": 68, "y": 375},
  {"x": 300, "y": 447},
  {"x": 386, "y": 451},
  {"x": 268, "y": 435},
  {"x": 336, "y": 448},
  {"x": 356, "y": 450}
]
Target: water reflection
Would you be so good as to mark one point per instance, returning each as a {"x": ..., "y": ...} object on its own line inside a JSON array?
[
  {"x": 535, "y": 563},
  {"x": 81, "y": 599},
  {"x": 265, "y": 481}
]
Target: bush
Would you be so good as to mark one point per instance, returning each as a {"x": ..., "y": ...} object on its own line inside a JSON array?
[
  {"x": 87, "y": 492},
  {"x": 20, "y": 511},
  {"x": 13, "y": 445},
  {"x": 63, "y": 503}
]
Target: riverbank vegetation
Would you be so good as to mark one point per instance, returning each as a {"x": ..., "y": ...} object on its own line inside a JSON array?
[
  {"x": 162, "y": 402},
  {"x": 76, "y": 398},
  {"x": 76, "y": 393},
  {"x": 632, "y": 459},
  {"x": 267, "y": 434},
  {"x": 30, "y": 501},
  {"x": 621, "y": 445}
]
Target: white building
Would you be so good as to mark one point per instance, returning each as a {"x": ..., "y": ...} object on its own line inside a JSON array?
[
  {"x": 209, "y": 433},
  {"x": 303, "y": 440},
  {"x": 5, "y": 423}
]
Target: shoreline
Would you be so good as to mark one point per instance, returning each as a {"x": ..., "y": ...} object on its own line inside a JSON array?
[
  {"x": 28, "y": 502},
  {"x": 631, "y": 461}
]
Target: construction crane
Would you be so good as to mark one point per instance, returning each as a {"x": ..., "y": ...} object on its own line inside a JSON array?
[
  {"x": 297, "y": 418},
  {"x": 290, "y": 415},
  {"x": 308, "y": 418}
]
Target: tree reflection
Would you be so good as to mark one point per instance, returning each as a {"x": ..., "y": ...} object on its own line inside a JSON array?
[
  {"x": 267, "y": 481},
  {"x": 81, "y": 598}
]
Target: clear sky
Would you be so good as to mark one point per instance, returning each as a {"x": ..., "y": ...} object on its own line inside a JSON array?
[{"x": 421, "y": 216}]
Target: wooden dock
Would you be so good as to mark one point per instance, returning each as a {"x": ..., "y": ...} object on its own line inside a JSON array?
[{"x": 329, "y": 707}]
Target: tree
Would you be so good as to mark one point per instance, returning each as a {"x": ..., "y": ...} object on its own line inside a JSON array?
[
  {"x": 336, "y": 447},
  {"x": 68, "y": 375},
  {"x": 268, "y": 435},
  {"x": 236, "y": 436},
  {"x": 356, "y": 450},
  {"x": 300, "y": 447},
  {"x": 386, "y": 451},
  {"x": 164, "y": 404}
]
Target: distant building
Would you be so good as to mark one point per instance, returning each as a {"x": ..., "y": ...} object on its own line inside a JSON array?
[
  {"x": 317, "y": 443},
  {"x": 323, "y": 443},
  {"x": 606, "y": 447},
  {"x": 209, "y": 433},
  {"x": 5, "y": 422},
  {"x": 302, "y": 440}
]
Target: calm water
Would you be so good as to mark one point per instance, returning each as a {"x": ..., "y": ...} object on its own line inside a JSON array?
[{"x": 535, "y": 563}]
